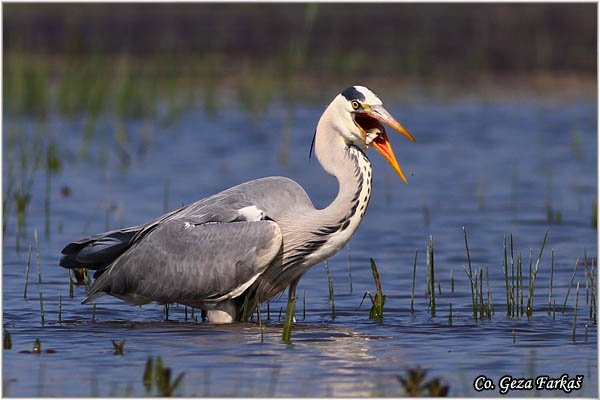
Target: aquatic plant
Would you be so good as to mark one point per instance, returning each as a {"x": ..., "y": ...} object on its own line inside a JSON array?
[
  {"x": 532, "y": 277},
  {"x": 414, "y": 383},
  {"x": 27, "y": 272},
  {"x": 7, "y": 340},
  {"x": 286, "y": 335},
  {"x": 378, "y": 301},
  {"x": 431, "y": 276},
  {"x": 570, "y": 285},
  {"x": 470, "y": 273},
  {"x": 42, "y": 307},
  {"x": 154, "y": 372},
  {"x": 118, "y": 347}
]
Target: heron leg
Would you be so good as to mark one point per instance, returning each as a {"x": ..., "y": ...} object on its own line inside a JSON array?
[{"x": 292, "y": 294}]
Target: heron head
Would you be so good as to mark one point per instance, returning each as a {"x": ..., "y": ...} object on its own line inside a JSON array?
[{"x": 360, "y": 120}]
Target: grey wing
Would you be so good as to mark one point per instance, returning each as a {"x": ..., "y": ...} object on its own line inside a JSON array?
[{"x": 182, "y": 261}]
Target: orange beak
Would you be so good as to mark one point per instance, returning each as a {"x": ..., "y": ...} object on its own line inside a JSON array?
[{"x": 381, "y": 143}]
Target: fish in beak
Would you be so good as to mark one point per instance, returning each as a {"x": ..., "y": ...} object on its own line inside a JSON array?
[{"x": 370, "y": 121}]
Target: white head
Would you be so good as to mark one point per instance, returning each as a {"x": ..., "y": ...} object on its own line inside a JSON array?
[{"x": 356, "y": 116}]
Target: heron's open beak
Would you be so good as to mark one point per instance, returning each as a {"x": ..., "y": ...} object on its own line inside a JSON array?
[{"x": 381, "y": 142}]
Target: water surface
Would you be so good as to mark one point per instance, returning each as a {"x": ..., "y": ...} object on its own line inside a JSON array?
[{"x": 495, "y": 168}]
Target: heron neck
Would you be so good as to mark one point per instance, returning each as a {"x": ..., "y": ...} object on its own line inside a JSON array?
[{"x": 352, "y": 169}]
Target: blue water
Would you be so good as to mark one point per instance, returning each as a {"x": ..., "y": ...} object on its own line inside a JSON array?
[{"x": 495, "y": 168}]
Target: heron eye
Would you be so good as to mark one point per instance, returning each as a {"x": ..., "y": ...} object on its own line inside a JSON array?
[{"x": 355, "y": 105}]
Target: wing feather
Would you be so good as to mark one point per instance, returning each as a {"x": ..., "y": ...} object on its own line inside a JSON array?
[{"x": 183, "y": 261}]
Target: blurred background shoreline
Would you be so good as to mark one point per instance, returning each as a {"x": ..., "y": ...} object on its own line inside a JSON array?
[{"x": 88, "y": 56}]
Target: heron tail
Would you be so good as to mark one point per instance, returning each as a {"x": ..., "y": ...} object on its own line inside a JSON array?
[{"x": 99, "y": 251}]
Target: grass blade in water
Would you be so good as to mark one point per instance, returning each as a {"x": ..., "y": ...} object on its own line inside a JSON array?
[
  {"x": 551, "y": 279},
  {"x": 42, "y": 306},
  {"x": 289, "y": 321},
  {"x": 505, "y": 265},
  {"x": 37, "y": 253},
  {"x": 470, "y": 270},
  {"x": 575, "y": 312},
  {"x": 532, "y": 281},
  {"x": 379, "y": 300},
  {"x": 570, "y": 285},
  {"x": 27, "y": 272},
  {"x": 412, "y": 293},
  {"x": 431, "y": 274}
]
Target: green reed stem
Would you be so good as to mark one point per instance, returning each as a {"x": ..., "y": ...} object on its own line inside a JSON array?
[
  {"x": 481, "y": 304},
  {"x": 512, "y": 267},
  {"x": 551, "y": 281},
  {"x": 520, "y": 268},
  {"x": 570, "y": 285},
  {"x": 27, "y": 272},
  {"x": 379, "y": 300},
  {"x": 42, "y": 307},
  {"x": 575, "y": 313},
  {"x": 534, "y": 275},
  {"x": 587, "y": 294},
  {"x": 489, "y": 292},
  {"x": 473, "y": 289},
  {"x": 37, "y": 253},
  {"x": 450, "y": 316},
  {"x": 470, "y": 271},
  {"x": 94, "y": 313},
  {"x": 593, "y": 294},
  {"x": 432, "y": 276},
  {"x": 289, "y": 320},
  {"x": 412, "y": 292},
  {"x": 505, "y": 262}
]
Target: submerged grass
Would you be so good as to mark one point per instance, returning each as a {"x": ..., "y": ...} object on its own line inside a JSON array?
[
  {"x": 155, "y": 373},
  {"x": 570, "y": 285},
  {"x": 42, "y": 307},
  {"x": 119, "y": 347},
  {"x": 575, "y": 311},
  {"x": 430, "y": 268},
  {"x": 415, "y": 383},
  {"x": 37, "y": 255},
  {"x": 470, "y": 273},
  {"x": 533, "y": 277},
  {"x": 7, "y": 340},
  {"x": 27, "y": 272},
  {"x": 379, "y": 300},
  {"x": 286, "y": 335}
]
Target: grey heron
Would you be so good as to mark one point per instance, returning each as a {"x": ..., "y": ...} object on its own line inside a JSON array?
[{"x": 249, "y": 242}]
